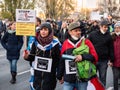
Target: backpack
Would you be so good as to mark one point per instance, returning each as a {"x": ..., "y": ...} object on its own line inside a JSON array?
[{"x": 85, "y": 68}]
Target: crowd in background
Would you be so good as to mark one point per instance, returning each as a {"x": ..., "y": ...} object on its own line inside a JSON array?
[{"x": 104, "y": 36}]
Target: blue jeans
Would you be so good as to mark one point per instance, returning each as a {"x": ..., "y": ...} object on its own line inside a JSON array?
[
  {"x": 82, "y": 85},
  {"x": 13, "y": 65},
  {"x": 102, "y": 69},
  {"x": 78, "y": 86}
]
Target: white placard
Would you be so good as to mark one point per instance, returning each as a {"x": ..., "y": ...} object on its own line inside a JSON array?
[
  {"x": 95, "y": 16},
  {"x": 25, "y": 15},
  {"x": 105, "y": 15},
  {"x": 70, "y": 67},
  {"x": 43, "y": 64}
]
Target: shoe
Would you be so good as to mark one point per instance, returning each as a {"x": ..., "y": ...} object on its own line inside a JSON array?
[{"x": 13, "y": 80}]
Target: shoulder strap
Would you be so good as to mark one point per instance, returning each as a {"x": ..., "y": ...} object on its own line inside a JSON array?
[{"x": 83, "y": 41}]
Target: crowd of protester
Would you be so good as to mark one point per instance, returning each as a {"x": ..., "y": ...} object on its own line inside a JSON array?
[{"x": 55, "y": 38}]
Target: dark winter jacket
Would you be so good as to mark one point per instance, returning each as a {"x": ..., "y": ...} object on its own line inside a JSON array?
[
  {"x": 1, "y": 26},
  {"x": 103, "y": 44},
  {"x": 67, "y": 48},
  {"x": 94, "y": 28},
  {"x": 45, "y": 80},
  {"x": 13, "y": 44},
  {"x": 63, "y": 36}
]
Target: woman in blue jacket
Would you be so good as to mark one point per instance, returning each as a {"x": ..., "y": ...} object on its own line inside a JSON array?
[{"x": 13, "y": 45}]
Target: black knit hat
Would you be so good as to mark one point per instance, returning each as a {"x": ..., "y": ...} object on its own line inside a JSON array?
[
  {"x": 47, "y": 25},
  {"x": 104, "y": 22}
]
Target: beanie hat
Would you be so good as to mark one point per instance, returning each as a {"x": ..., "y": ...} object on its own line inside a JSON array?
[
  {"x": 117, "y": 24},
  {"x": 47, "y": 25},
  {"x": 104, "y": 22},
  {"x": 74, "y": 25}
]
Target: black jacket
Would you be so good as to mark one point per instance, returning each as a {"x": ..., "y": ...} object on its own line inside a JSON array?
[
  {"x": 45, "y": 80},
  {"x": 103, "y": 44},
  {"x": 94, "y": 28},
  {"x": 12, "y": 44},
  {"x": 63, "y": 36}
]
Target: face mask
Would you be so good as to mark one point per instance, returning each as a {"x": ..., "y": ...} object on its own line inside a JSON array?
[
  {"x": 117, "y": 33},
  {"x": 75, "y": 38}
]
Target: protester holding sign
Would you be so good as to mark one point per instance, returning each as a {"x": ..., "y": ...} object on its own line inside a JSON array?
[
  {"x": 31, "y": 39},
  {"x": 13, "y": 45},
  {"x": 74, "y": 41},
  {"x": 45, "y": 52}
]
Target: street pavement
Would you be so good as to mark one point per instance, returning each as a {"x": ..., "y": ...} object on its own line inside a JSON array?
[{"x": 24, "y": 74}]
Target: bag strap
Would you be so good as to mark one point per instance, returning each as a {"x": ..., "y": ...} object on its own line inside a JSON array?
[{"x": 83, "y": 41}]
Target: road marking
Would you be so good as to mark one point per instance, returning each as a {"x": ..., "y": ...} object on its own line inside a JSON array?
[{"x": 23, "y": 72}]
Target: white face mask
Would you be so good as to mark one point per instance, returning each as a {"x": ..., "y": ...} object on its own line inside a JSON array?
[
  {"x": 75, "y": 38},
  {"x": 117, "y": 33}
]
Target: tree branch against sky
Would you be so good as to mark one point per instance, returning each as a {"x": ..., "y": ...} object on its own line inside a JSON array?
[
  {"x": 51, "y": 8},
  {"x": 56, "y": 8},
  {"x": 8, "y": 7}
]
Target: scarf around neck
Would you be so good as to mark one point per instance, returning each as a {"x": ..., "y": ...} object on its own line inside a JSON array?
[
  {"x": 46, "y": 40},
  {"x": 11, "y": 31}
]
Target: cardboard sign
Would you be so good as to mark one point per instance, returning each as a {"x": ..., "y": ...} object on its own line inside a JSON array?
[
  {"x": 27, "y": 29},
  {"x": 43, "y": 64},
  {"x": 25, "y": 22},
  {"x": 25, "y": 15},
  {"x": 70, "y": 67}
]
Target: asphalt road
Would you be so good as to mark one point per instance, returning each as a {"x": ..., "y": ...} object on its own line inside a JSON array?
[{"x": 24, "y": 74}]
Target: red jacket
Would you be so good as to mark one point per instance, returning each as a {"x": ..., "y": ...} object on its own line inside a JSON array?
[
  {"x": 117, "y": 52},
  {"x": 67, "y": 48},
  {"x": 87, "y": 42}
]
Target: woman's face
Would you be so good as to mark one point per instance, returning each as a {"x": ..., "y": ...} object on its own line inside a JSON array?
[
  {"x": 44, "y": 32},
  {"x": 117, "y": 29},
  {"x": 13, "y": 26}
]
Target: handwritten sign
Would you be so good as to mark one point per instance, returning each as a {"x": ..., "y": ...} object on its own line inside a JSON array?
[
  {"x": 25, "y": 22},
  {"x": 25, "y": 15},
  {"x": 27, "y": 29}
]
